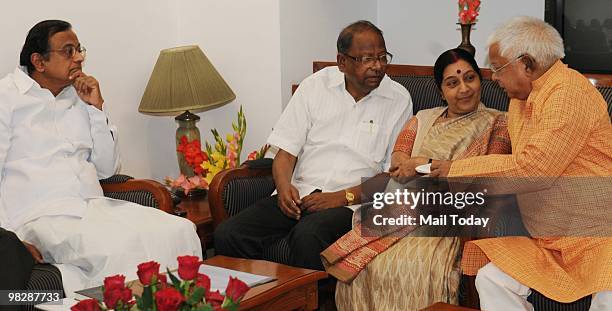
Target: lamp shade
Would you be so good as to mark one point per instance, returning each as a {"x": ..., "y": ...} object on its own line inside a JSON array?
[{"x": 184, "y": 79}]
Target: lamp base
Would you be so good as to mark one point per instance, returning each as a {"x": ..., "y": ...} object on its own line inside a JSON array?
[{"x": 187, "y": 127}]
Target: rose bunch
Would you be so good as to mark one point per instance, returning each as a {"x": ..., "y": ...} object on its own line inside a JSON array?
[
  {"x": 468, "y": 11},
  {"x": 190, "y": 292}
]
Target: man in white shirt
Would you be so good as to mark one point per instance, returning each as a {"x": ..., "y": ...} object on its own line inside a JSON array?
[
  {"x": 55, "y": 144},
  {"x": 339, "y": 127}
]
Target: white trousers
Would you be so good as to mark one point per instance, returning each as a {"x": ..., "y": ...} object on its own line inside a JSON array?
[
  {"x": 499, "y": 291},
  {"x": 112, "y": 237}
]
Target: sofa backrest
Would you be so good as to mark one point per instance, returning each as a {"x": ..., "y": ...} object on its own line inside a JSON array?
[
  {"x": 425, "y": 94},
  {"x": 419, "y": 81}
]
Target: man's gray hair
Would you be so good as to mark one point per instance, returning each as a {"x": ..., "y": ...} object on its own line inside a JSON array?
[{"x": 529, "y": 35}]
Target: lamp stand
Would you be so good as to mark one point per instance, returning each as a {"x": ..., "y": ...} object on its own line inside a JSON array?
[{"x": 186, "y": 127}]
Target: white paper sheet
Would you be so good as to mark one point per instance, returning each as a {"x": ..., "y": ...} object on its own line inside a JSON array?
[{"x": 220, "y": 276}]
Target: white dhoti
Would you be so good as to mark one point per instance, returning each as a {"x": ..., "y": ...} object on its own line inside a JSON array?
[{"x": 111, "y": 238}]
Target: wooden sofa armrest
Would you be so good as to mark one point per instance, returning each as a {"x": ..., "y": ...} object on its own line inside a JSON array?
[
  {"x": 220, "y": 181},
  {"x": 159, "y": 191}
]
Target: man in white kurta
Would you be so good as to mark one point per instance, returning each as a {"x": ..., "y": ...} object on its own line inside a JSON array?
[
  {"x": 338, "y": 128},
  {"x": 55, "y": 144}
]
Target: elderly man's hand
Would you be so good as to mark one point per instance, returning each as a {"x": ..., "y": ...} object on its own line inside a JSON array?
[
  {"x": 402, "y": 165},
  {"x": 34, "y": 251},
  {"x": 289, "y": 201},
  {"x": 88, "y": 89},
  {"x": 440, "y": 168},
  {"x": 319, "y": 201}
]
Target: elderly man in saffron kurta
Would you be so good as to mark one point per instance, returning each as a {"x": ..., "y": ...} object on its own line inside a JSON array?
[{"x": 559, "y": 127}]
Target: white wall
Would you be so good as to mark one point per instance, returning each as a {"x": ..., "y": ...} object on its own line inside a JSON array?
[
  {"x": 309, "y": 29},
  {"x": 416, "y": 32},
  {"x": 260, "y": 47},
  {"x": 242, "y": 40},
  {"x": 123, "y": 39}
]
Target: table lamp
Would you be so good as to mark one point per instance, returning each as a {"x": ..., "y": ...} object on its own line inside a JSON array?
[{"x": 183, "y": 82}]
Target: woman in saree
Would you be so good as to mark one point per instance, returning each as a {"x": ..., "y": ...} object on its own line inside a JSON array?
[{"x": 411, "y": 272}]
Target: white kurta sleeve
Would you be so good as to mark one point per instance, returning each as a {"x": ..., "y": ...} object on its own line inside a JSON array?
[
  {"x": 292, "y": 128},
  {"x": 6, "y": 114},
  {"x": 105, "y": 151}
]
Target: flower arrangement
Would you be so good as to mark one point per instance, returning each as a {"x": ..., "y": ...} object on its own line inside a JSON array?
[
  {"x": 468, "y": 11},
  {"x": 206, "y": 164},
  {"x": 191, "y": 293}
]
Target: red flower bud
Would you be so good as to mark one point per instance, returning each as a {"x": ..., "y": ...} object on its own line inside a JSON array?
[
  {"x": 214, "y": 298},
  {"x": 236, "y": 289},
  {"x": 86, "y": 305},
  {"x": 161, "y": 280},
  {"x": 114, "y": 282},
  {"x": 203, "y": 281},
  {"x": 114, "y": 296},
  {"x": 146, "y": 271},
  {"x": 188, "y": 267},
  {"x": 168, "y": 299}
]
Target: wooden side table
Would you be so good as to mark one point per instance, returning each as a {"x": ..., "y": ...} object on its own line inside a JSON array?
[
  {"x": 293, "y": 289},
  {"x": 198, "y": 211}
]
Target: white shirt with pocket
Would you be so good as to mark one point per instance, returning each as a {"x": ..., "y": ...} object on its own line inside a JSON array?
[{"x": 339, "y": 141}]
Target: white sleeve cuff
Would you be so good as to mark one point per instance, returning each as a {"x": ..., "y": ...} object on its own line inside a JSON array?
[{"x": 284, "y": 143}]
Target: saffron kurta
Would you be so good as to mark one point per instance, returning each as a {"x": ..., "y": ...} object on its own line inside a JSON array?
[{"x": 562, "y": 129}]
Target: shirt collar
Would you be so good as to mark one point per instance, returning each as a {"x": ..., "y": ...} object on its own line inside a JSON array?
[
  {"x": 551, "y": 72},
  {"x": 383, "y": 90},
  {"x": 23, "y": 81}
]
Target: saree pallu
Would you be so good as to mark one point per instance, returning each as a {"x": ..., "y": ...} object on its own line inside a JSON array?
[{"x": 383, "y": 272}]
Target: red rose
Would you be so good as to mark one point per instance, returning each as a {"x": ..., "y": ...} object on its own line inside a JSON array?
[
  {"x": 146, "y": 271},
  {"x": 214, "y": 298},
  {"x": 161, "y": 279},
  {"x": 188, "y": 267},
  {"x": 114, "y": 282},
  {"x": 168, "y": 299},
  {"x": 236, "y": 289},
  {"x": 203, "y": 281},
  {"x": 114, "y": 296},
  {"x": 86, "y": 305}
]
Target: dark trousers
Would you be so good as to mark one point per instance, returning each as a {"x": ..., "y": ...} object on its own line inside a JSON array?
[
  {"x": 15, "y": 262},
  {"x": 259, "y": 226}
]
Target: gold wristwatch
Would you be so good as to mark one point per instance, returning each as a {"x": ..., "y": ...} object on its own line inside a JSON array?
[{"x": 349, "y": 196}]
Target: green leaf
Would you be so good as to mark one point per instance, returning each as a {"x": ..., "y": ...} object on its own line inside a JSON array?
[
  {"x": 147, "y": 297},
  {"x": 175, "y": 281},
  {"x": 196, "y": 296},
  {"x": 206, "y": 307},
  {"x": 229, "y": 304}
]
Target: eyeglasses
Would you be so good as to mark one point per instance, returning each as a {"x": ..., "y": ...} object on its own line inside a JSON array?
[
  {"x": 71, "y": 50},
  {"x": 384, "y": 59},
  {"x": 497, "y": 70}
]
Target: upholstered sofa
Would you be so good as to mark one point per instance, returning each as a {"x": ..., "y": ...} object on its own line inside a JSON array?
[
  {"x": 234, "y": 190},
  {"x": 121, "y": 187}
]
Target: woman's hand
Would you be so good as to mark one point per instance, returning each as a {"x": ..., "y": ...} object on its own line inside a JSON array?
[
  {"x": 402, "y": 165},
  {"x": 440, "y": 168}
]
